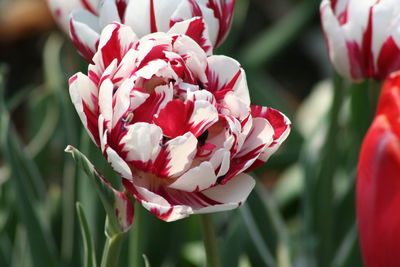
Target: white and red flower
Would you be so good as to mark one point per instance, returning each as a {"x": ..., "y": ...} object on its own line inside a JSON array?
[
  {"x": 176, "y": 124},
  {"x": 62, "y": 9},
  {"x": 89, "y": 17},
  {"x": 363, "y": 37}
]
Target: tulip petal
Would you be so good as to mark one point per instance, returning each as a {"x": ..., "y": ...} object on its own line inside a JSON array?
[
  {"x": 148, "y": 16},
  {"x": 335, "y": 38},
  {"x": 378, "y": 198},
  {"x": 85, "y": 33},
  {"x": 281, "y": 125},
  {"x": 108, "y": 13},
  {"x": 231, "y": 195},
  {"x": 156, "y": 204},
  {"x": 115, "y": 41},
  {"x": 177, "y": 117},
  {"x": 84, "y": 97},
  {"x": 225, "y": 74},
  {"x": 259, "y": 138},
  {"x": 118, "y": 164},
  {"x": 188, "y": 9},
  {"x": 196, "y": 179},
  {"x": 177, "y": 156},
  {"x": 142, "y": 142},
  {"x": 196, "y": 29}
]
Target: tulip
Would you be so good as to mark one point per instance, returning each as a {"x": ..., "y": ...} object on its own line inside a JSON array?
[
  {"x": 173, "y": 122},
  {"x": 378, "y": 182},
  {"x": 88, "y": 18},
  {"x": 362, "y": 37},
  {"x": 62, "y": 9}
]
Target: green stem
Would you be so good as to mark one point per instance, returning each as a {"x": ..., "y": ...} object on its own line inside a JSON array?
[
  {"x": 324, "y": 194},
  {"x": 210, "y": 240},
  {"x": 135, "y": 257},
  {"x": 364, "y": 98},
  {"x": 112, "y": 251}
]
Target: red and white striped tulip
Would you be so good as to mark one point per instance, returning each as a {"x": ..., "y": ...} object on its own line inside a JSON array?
[
  {"x": 378, "y": 182},
  {"x": 176, "y": 124},
  {"x": 62, "y": 9},
  {"x": 363, "y": 37},
  {"x": 89, "y": 17}
]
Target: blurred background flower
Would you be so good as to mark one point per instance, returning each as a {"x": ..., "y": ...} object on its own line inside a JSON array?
[
  {"x": 362, "y": 37},
  {"x": 84, "y": 20}
]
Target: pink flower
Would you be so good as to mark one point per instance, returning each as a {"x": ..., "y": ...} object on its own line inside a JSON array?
[
  {"x": 176, "y": 124},
  {"x": 378, "y": 182},
  {"x": 89, "y": 17},
  {"x": 363, "y": 37}
]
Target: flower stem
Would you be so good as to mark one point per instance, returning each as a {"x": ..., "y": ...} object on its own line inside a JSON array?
[
  {"x": 135, "y": 256},
  {"x": 210, "y": 241},
  {"x": 112, "y": 250}
]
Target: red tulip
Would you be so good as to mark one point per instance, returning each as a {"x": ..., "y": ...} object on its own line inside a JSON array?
[{"x": 378, "y": 182}]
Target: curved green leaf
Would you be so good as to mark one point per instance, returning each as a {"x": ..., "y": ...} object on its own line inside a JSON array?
[
  {"x": 118, "y": 206},
  {"x": 90, "y": 255}
]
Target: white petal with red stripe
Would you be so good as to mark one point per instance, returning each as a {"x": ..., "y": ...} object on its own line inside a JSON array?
[
  {"x": 232, "y": 194},
  {"x": 336, "y": 39},
  {"x": 226, "y": 73},
  {"x": 147, "y": 16},
  {"x": 156, "y": 204},
  {"x": 105, "y": 101},
  {"x": 196, "y": 29},
  {"x": 179, "y": 155},
  {"x": 115, "y": 41},
  {"x": 84, "y": 31},
  {"x": 190, "y": 8},
  {"x": 122, "y": 100},
  {"x": 221, "y": 161},
  {"x": 118, "y": 164},
  {"x": 204, "y": 115},
  {"x": 196, "y": 179},
  {"x": 142, "y": 142},
  {"x": 195, "y": 56},
  {"x": 84, "y": 94}
]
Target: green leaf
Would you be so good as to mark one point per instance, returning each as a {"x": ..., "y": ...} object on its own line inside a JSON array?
[
  {"x": 5, "y": 250},
  {"x": 20, "y": 254},
  {"x": 89, "y": 251},
  {"x": 255, "y": 235},
  {"x": 114, "y": 202},
  {"x": 233, "y": 243},
  {"x": 348, "y": 254},
  {"x": 146, "y": 261}
]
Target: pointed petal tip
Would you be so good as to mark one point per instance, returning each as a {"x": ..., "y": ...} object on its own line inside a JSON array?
[{"x": 69, "y": 149}]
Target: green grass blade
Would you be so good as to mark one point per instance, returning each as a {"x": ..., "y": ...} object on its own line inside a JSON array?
[
  {"x": 263, "y": 252},
  {"x": 20, "y": 254},
  {"x": 89, "y": 251},
  {"x": 348, "y": 253}
]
